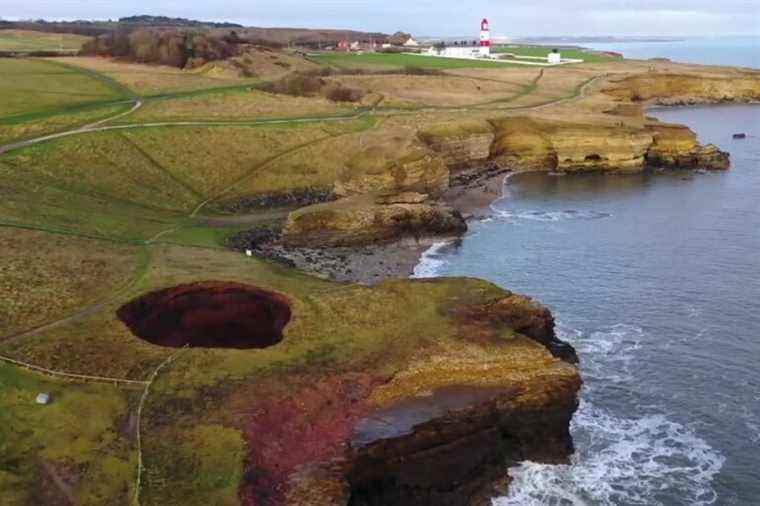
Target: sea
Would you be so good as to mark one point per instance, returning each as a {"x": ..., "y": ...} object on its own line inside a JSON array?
[{"x": 655, "y": 280}]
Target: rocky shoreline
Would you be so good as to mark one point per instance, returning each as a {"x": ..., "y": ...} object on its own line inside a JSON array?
[
  {"x": 445, "y": 428},
  {"x": 374, "y": 263}
]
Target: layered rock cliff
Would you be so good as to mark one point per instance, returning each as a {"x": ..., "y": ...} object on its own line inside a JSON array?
[
  {"x": 363, "y": 219},
  {"x": 443, "y": 429}
]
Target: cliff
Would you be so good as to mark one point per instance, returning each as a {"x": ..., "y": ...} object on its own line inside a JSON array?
[
  {"x": 443, "y": 429},
  {"x": 685, "y": 89},
  {"x": 363, "y": 220}
]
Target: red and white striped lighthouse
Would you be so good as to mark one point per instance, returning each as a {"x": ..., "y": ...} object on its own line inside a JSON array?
[{"x": 485, "y": 38}]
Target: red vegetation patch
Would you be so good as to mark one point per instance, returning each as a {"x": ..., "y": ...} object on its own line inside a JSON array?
[
  {"x": 208, "y": 315},
  {"x": 296, "y": 422}
]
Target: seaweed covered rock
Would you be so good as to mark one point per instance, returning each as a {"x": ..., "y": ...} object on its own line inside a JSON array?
[{"x": 360, "y": 220}]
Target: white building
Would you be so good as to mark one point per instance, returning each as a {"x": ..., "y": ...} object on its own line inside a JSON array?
[
  {"x": 554, "y": 57},
  {"x": 467, "y": 49},
  {"x": 411, "y": 42}
]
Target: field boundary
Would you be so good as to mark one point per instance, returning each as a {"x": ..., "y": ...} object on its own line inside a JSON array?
[{"x": 69, "y": 375}]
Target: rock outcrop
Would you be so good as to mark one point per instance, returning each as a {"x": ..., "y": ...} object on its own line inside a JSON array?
[
  {"x": 399, "y": 165},
  {"x": 460, "y": 145},
  {"x": 676, "y": 146},
  {"x": 362, "y": 220},
  {"x": 466, "y": 415}
]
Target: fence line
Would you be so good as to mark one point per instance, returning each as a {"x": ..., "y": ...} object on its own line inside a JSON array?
[{"x": 69, "y": 375}]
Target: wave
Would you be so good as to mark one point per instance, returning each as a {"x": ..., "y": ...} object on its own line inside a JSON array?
[
  {"x": 649, "y": 460},
  {"x": 639, "y": 460},
  {"x": 550, "y": 216},
  {"x": 430, "y": 263}
]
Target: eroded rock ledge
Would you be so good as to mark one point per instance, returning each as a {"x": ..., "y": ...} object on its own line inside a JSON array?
[{"x": 440, "y": 430}]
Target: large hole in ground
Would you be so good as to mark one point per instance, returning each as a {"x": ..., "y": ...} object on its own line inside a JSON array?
[{"x": 209, "y": 314}]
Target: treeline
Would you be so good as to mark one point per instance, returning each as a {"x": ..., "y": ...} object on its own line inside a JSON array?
[
  {"x": 145, "y": 20},
  {"x": 176, "y": 48},
  {"x": 86, "y": 28}
]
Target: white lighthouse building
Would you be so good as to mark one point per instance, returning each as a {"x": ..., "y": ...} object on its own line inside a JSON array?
[
  {"x": 485, "y": 39},
  {"x": 466, "y": 48}
]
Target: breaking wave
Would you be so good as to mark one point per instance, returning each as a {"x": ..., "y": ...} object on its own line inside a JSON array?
[
  {"x": 551, "y": 216},
  {"x": 430, "y": 262},
  {"x": 636, "y": 460}
]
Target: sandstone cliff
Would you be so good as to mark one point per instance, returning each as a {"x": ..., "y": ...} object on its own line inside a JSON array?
[
  {"x": 443, "y": 429},
  {"x": 534, "y": 144},
  {"x": 364, "y": 220},
  {"x": 677, "y": 146}
]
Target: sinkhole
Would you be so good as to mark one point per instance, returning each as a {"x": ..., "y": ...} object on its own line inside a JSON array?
[{"x": 209, "y": 314}]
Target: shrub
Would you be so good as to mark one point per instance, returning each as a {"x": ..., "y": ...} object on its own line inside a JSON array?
[
  {"x": 343, "y": 94},
  {"x": 297, "y": 85}
]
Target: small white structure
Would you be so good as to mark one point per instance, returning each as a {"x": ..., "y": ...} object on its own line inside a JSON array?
[
  {"x": 554, "y": 58},
  {"x": 43, "y": 398},
  {"x": 248, "y": 253},
  {"x": 456, "y": 51},
  {"x": 410, "y": 42}
]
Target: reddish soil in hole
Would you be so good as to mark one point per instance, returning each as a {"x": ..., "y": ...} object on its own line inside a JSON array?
[{"x": 209, "y": 314}]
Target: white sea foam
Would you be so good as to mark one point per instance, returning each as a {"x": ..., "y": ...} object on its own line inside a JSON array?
[
  {"x": 621, "y": 461},
  {"x": 549, "y": 216},
  {"x": 637, "y": 460},
  {"x": 431, "y": 262}
]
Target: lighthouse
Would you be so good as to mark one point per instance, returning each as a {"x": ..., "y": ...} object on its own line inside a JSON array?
[{"x": 485, "y": 39}]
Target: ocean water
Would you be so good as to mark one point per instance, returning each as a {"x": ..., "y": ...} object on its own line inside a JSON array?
[
  {"x": 655, "y": 279},
  {"x": 735, "y": 51}
]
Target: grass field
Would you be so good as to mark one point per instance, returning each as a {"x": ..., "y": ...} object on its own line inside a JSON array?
[
  {"x": 78, "y": 450},
  {"x": 151, "y": 80},
  {"x": 29, "y": 41},
  {"x": 586, "y": 56},
  {"x": 32, "y": 89},
  {"x": 236, "y": 104},
  {"x": 46, "y": 276},
  {"x": 397, "y": 61}
]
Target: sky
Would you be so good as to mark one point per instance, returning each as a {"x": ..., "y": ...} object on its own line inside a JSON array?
[{"x": 433, "y": 17}]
